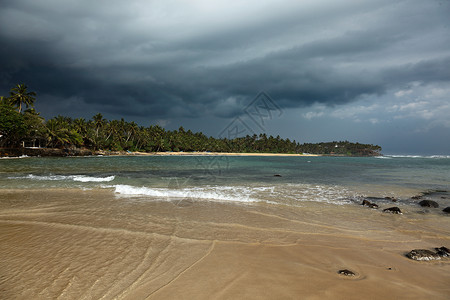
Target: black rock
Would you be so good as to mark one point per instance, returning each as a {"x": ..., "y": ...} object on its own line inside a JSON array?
[
  {"x": 346, "y": 272},
  {"x": 391, "y": 198},
  {"x": 422, "y": 254},
  {"x": 369, "y": 204},
  {"x": 277, "y": 175},
  {"x": 428, "y": 203},
  {"x": 443, "y": 251},
  {"x": 447, "y": 210},
  {"x": 393, "y": 210}
]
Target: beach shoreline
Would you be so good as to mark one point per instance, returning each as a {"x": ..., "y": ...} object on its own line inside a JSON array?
[
  {"x": 88, "y": 243},
  {"x": 49, "y": 152},
  {"x": 217, "y": 154},
  {"x": 210, "y": 227}
]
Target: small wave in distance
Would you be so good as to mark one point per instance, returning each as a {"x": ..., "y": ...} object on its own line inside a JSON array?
[{"x": 80, "y": 178}]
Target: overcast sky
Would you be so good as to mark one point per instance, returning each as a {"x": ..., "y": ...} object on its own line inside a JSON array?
[{"x": 367, "y": 71}]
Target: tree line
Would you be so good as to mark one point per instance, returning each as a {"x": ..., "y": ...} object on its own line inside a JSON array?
[{"x": 21, "y": 127}]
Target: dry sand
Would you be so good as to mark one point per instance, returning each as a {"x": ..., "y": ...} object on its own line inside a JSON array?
[
  {"x": 90, "y": 245},
  {"x": 202, "y": 154}
]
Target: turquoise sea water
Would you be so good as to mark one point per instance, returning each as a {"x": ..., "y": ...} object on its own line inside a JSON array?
[{"x": 247, "y": 179}]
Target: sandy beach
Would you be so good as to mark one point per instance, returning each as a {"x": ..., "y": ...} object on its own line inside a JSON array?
[
  {"x": 211, "y": 154},
  {"x": 42, "y": 152},
  {"x": 72, "y": 244}
]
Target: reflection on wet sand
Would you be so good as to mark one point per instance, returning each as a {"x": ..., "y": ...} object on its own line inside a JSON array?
[{"x": 91, "y": 245}]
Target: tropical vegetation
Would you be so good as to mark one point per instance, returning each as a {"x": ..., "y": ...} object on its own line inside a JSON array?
[{"x": 26, "y": 128}]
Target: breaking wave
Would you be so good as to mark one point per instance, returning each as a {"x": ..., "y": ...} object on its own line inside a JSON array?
[
  {"x": 234, "y": 194},
  {"x": 80, "y": 178},
  {"x": 283, "y": 194},
  {"x": 414, "y": 156}
]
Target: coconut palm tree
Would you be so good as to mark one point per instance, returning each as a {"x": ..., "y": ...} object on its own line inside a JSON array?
[
  {"x": 99, "y": 122},
  {"x": 81, "y": 126},
  {"x": 57, "y": 135},
  {"x": 19, "y": 96}
]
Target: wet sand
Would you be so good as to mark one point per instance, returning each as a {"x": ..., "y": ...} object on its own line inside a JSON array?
[{"x": 72, "y": 244}]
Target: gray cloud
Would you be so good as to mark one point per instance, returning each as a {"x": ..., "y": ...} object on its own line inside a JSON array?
[{"x": 178, "y": 59}]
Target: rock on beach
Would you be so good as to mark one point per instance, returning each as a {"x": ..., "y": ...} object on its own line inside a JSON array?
[
  {"x": 428, "y": 203},
  {"x": 369, "y": 204},
  {"x": 346, "y": 272},
  {"x": 423, "y": 254},
  {"x": 393, "y": 210},
  {"x": 443, "y": 251}
]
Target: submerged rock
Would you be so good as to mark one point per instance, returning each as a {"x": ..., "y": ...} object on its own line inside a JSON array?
[
  {"x": 393, "y": 210},
  {"x": 446, "y": 210},
  {"x": 369, "y": 204},
  {"x": 428, "y": 203},
  {"x": 346, "y": 272},
  {"x": 277, "y": 175},
  {"x": 391, "y": 198},
  {"x": 423, "y": 254},
  {"x": 374, "y": 199}
]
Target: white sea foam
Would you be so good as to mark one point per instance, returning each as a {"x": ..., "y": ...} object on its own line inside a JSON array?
[
  {"x": 14, "y": 157},
  {"x": 80, "y": 178},
  {"x": 38, "y": 177},
  {"x": 297, "y": 193},
  {"x": 219, "y": 193},
  {"x": 289, "y": 194},
  {"x": 83, "y": 178},
  {"x": 418, "y": 156}
]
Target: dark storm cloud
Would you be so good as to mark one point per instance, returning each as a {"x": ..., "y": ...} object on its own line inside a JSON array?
[{"x": 174, "y": 59}]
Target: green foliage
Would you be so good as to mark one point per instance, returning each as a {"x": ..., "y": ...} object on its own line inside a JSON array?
[
  {"x": 35, "y": 124},
  {"x": 12, "y": 126},
  {"x": 20, "y": 96},
  {"x": 116, "y": 135},
  {"x": 98, "y": 133},
  {"x": 342, "y": 148}
]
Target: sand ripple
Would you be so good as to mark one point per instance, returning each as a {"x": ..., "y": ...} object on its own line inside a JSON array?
[{"x": 91, "y": 245}]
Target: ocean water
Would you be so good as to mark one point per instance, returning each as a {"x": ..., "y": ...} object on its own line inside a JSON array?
[{"x": 246, "y": 179}]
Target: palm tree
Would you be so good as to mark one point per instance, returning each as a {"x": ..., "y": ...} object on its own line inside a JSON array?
[
  {"x": 80, "y": 125},
  {"x": 19, "y": 96},
  {"x": 57, "y": 135},
  {"x": 132, "y": 130},
  {"x": 99, "y": 122}
]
